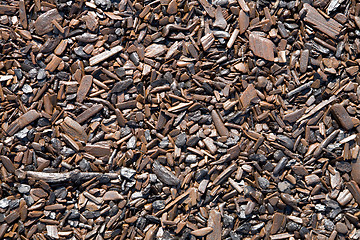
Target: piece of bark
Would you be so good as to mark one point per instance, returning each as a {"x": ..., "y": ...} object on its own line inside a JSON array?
[
  {"x": 172, "y": 7},
  {"x": 202, "y": 231},
  {"x": 215, "y": 223},
  {"x": 279, "y": 221},
  {"x": 342, "y": 116},
  {"x": 232, "y": 39},
  {"x": 219, "y": 125},
  {"x": 261, "y": 47},
  {"x": 209, "y": 143},
  {"x": 248, "y": 95},
  {"x": 207, "y": 41},
  {"x": 225, "y": 174},
  {"x": 120, "y": 118},
  {"x": 42, "y": 23},
  {"x": 88, "y": 113},
  {"x": 22, "y": 122},
  {"x": 208, "y": 8},
  {"x": 244, "y": 6},
  {"x": 329, "y": 26},
  {"x": 155, "y": 50},
  {"x": 294, "y": 116},
  {"x": 164, "y": 175},
  {"x": 112, "y": 196},
  {"x": 61, "y": 47},
  {"x": 354, "y": 189},
  {"x": 3, "y": 229},
  {"x": 22, "y": 14},
  {"x": 98, "y": 150},
  {"x": 52, "y": 231},
  {"x": 105, "y": 55},
  {"x": 7, "y": 10},
  {"x": 73, "y": 129},
  {"x": 53, "y": 64},
  {"x": 121, "y": 86},
  {"x": 244, "y": 21},
  {"x": 8, "y": 164},
  {"x": 220, "y": 21},
  {"x": 84, "y": 88},
  {"x": 304, "y": 60}
]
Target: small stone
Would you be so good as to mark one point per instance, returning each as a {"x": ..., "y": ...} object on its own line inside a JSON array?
[
  {"x": 131, "y": 144},
  {"x": 180, "y": 140},
  {"x": 200, "y": 174},
  {"x": 228, "y": 221},
  {"x": 284, "y": 186},
  {"x": 67, "y": 152},
  {"x": 263, "y": 183},
  {"x": 127, "y": 173},
  {"x": 84, "y": 165},
  {"x": 191, "y": 158},
  {"x": 164, "y": 175},
  {"x": 24, "y": 188},
  {"x": 104, "y": 4},
  {"x": 22, "y": 135},
  {"x": 292, "y": 226},
  {"x": 4, "y": 203},
  {"x": 42, "y": 122},
  {"x": 285, "y": 141},
  {"x": 341, "y": 228},
  {"x": 320, "y": 207},
  {"x": 259, "y": 158},
  {"x": 303, "y": 232},
  {"x": 27, "y": 89},
  {"x": 41, "y": 74},
  {"x": 158, "y": 205},
  {"x": 328, "y": 224}
]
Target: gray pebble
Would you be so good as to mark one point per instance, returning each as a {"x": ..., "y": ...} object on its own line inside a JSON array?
[
  {"x": 158, "y": 205},
  {"x": 27, "y": 89},
  {"x": 41, "y": 74},
  {"x": 263, "y": 182},
  {"x": 180, "y": 140},
  {"x": 4, "y": 203},
  {"x": 191, "y": 158},
  {"x": 131, "y": 143},
  {"x": 127, "y": 173},
  {"x": 22, "y": 135},
  {"x": 284, "y": 186},
  {"x": 329, "y": 225},
  {"x": 24, "y": 188}
]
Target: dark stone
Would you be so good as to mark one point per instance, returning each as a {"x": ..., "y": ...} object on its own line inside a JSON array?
[
  {"x": 303, "y": 232},
  {"x": 180, "y": 140},
  {"x": 244, "y": 228},
  {"x": 260, "y": 158},
  {"x": 158, "y": 205},
  {"x": 42, "y": 122},
  {"x": 200, "y": 174}
]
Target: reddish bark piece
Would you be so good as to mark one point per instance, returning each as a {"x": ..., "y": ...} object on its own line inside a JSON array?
[
  {"x": 42, "y": 23},
  {"x": 329, "y": 26},
  {"x": 84, "y": 88},
  {"x": 342, "y": 116},
  {"x": 22, "y": 121},
  {"x": 261, "y": 47},
  {"x": 248, "y": 95}
]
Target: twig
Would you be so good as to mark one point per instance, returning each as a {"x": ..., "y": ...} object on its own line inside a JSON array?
[{"x": 63, "y": 177}]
